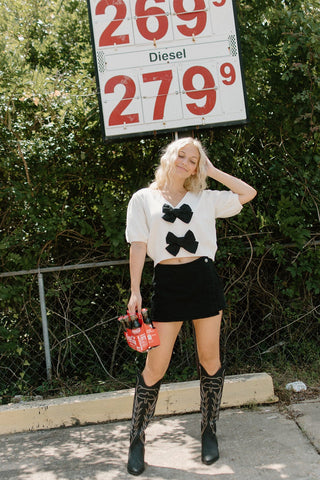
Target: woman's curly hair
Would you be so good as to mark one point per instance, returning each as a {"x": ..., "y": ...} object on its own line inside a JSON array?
[{"x": 194, "y": 183}]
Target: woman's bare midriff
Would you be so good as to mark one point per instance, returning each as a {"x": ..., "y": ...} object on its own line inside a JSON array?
[{"x": 177, "y": 261}]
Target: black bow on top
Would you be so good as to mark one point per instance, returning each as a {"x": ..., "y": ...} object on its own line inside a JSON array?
[
  {"x": 188, "y": 242},
  {"x": 170, "y": 214}
]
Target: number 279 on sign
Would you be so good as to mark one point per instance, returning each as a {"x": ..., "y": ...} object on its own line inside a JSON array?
[{"x": 165, "y": 93}]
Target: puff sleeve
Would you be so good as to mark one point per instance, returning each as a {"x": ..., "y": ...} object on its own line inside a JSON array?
[
  {"x": 137, "y": 229},
  {"x": 226, "y": 204}
]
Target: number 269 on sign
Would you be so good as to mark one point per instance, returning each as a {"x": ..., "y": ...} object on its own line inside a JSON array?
[
  {"x": 167, "y": 93},
  {"x": 157, "y": 20}
]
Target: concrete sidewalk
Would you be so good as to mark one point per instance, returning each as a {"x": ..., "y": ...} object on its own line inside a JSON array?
[{"x": 262, "y": 443}]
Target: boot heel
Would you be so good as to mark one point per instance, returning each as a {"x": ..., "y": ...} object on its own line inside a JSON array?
[
  {"x": 135, "y": 464},
  {"x": 210, "y": 450}
]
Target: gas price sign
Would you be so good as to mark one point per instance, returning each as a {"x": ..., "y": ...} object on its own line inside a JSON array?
[{"x": 166, "y": 65}]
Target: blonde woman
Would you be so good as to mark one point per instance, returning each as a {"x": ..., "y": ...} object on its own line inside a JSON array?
[{"x": 173, "y": 222}]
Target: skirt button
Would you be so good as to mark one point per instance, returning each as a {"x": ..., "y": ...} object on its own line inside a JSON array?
[{"x": 206, "y": 260}]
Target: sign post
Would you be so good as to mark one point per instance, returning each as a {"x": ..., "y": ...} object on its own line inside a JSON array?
[{"x": 166, "y": 65}]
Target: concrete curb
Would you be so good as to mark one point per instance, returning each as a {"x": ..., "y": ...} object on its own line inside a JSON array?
[{"x": 174, "y": 398}]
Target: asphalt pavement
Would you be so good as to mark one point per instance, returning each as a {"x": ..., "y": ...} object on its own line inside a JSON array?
[{"x": 265, "y": 443}]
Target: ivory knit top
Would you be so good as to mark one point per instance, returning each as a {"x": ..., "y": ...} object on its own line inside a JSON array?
[{"x": 145, "y": 222}]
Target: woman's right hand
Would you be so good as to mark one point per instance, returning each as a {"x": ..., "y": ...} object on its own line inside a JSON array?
[{"x": 135, "y": 303}]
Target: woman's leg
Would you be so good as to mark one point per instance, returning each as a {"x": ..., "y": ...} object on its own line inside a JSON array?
[
  {"x": 147, "y": 390},
  {"x": 211, "y": 383},
  {"x": 208, "y": 342},
  {"x": 158, "y": 358}
]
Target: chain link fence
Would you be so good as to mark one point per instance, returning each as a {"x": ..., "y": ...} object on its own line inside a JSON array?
[
  {"x": 86, "y": 352},
  {"x": 84, "y": 349}
]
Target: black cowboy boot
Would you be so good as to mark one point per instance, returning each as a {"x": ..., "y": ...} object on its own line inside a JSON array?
[
  {"x": 210, "y": 392},
  {"x": 144, "y": 405}
]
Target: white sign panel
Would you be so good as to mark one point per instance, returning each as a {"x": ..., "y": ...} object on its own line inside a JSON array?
[{"x": 166, "y": 65}]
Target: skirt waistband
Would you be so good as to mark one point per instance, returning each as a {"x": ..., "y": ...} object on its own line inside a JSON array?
[{"x": 180, "y": 266}]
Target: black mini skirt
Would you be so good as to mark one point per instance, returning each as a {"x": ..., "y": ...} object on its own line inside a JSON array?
[{"x": 187, "y": 291}]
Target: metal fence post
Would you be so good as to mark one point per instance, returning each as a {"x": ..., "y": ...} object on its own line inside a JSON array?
[{"x": 45, "y": 326}]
